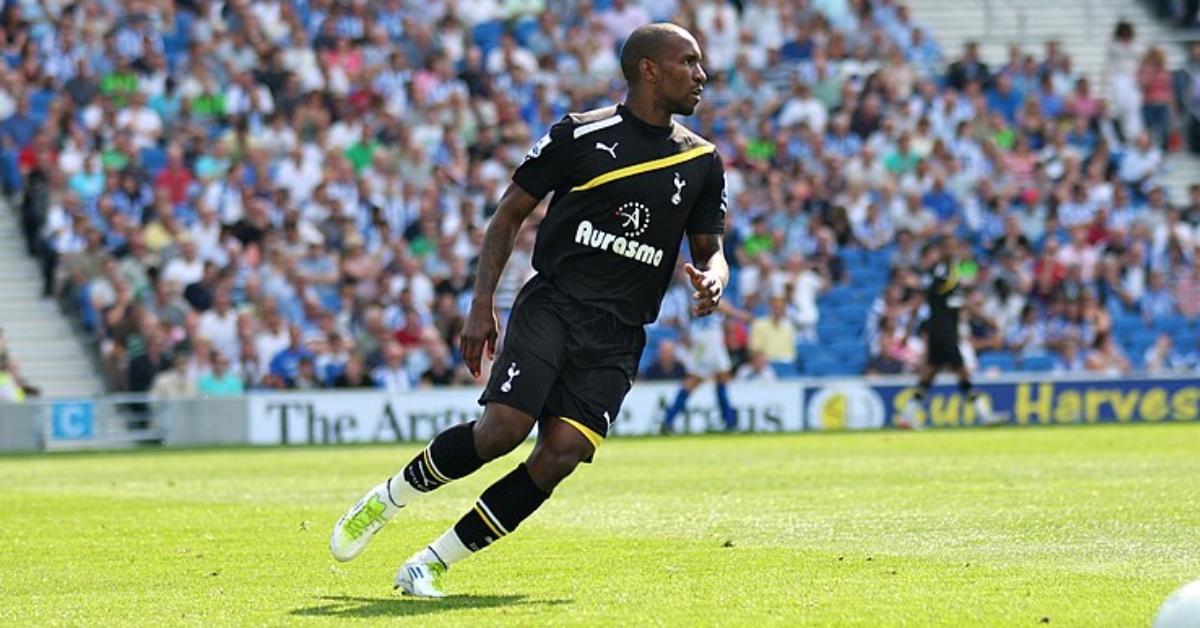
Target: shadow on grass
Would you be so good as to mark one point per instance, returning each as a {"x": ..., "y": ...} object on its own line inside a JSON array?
[{"x": 397, "y": 606}]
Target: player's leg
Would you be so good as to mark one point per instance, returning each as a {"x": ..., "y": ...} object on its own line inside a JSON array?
[
  {"x": 926, "y": 372},
  {"x": 690, "y": 382},
  {"x": 728, "y": 415},
  {"x": 561, "y": 446},
  {"x": 981, "y": 402},
  {"x": 453, "y": 454},
  {"x": 522, "y": 376},
  {"x": 579, "y": 409}
]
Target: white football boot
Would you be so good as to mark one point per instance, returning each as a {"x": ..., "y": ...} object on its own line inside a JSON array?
[
  {"x": 910, "y": 417},
  {"x": 983, "y": 412},
  {"x": 354, "y": 530},
  {"x": 421, "y": 576}
]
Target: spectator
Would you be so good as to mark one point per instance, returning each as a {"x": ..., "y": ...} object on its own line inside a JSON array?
[
  {"x": 285, "y": 365},
  {"x": 219, "y": 325},
  {"x": 354, "y": 375},
  {"x": 392, "y": 375},
  {"x": 1187, "y": 290},
  {"x": 11, "y": 389},
  {"x": 1157, "y": 301},
  {"x": 1120, "y": 65},
  {"x": 968, "y": 69},
  {"x": 221, "y": 381},
  {"x": 774, "y": 335},
  {"x": 1106, "y": 357},
  {"x": 441, "y": 371},
  {"x": 1157, "y": 95},
  {"x": 1161, "y": 357},
  {"x": 757, "y": 369},
  {"x": 666, "y": 364}
]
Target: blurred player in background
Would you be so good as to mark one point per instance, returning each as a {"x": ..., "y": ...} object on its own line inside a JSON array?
[
  {"x": 945, "y": 292},
  {"x": 705, "y": 357}
]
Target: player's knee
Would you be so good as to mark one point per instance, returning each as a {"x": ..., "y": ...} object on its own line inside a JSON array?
[
  {"x": 551, "y": 462},
  {"x": 499, "y": 433}
]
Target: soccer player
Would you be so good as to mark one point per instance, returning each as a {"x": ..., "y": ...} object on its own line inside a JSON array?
[
  {"x": 705, "y": 357},
  {"x": 627, "y": 183},
  {"x": 944, "y": 299}
]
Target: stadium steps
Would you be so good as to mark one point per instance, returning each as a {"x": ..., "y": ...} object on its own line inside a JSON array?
[
  {"x": 40, "y": 338},
  {"x": 1083, "y": 27}
]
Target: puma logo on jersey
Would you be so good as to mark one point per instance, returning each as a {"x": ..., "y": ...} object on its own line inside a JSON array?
[
  {"x": 677, "y": 197},
  {"x": 611, "y": 150}
]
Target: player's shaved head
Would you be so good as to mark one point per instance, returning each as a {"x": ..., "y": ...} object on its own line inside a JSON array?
[{"x": 649, "y": 42}]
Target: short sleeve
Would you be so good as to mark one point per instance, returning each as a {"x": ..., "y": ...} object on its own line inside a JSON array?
[
  {"x": 548, "y": 162},
  {"x": 708, "y": 214}
]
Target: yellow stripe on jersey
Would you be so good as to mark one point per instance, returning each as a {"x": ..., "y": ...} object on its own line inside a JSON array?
[
  {"x": 645, "y": 166},
  {"x": 950, "y": 282},
  {"x": 593, "y": 438}
]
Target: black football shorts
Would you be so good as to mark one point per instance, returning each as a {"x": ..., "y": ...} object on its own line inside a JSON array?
[
  {"x": 565, "y": 359},
  {"x": 942, "y": 352}
]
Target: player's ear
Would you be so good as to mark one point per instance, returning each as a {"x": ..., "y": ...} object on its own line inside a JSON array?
[{"x": 648, "y": 70}]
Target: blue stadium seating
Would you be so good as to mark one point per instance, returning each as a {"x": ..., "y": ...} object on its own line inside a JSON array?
[
  {"x": 1037, "y": 363},
  {"x": 1000, "y": 360},
  {"x": 487, "y": 35},
  {"x": 785, "y": 369},
  {"x": 525, "y": 29}
]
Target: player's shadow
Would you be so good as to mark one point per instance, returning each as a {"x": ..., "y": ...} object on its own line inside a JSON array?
[{"x": 349, "y": 606}]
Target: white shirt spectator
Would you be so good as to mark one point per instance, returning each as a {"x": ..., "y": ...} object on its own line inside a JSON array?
[
  {"x": 221, "y": 331},
  {"x": 182, "y": 272},
  {"x": 300, "y": 178},
  {"x": 269, "y": 343},
  {"x": 806, "y": 286},
  {"x": 240, "y": 100},
  {"x": 796, "y": 110},
  {"x": 1138, "y": 165},
  {"x": 1084, "y": 256},
  {"x": 620, "y": 20},
  {"x": 393, "y": 380},
  {"x": 144, "y": 122}
]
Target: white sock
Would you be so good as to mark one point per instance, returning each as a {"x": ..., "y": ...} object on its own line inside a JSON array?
[
  {"x": 401, "y": 492},
  {"x": 448, "y": 549}
]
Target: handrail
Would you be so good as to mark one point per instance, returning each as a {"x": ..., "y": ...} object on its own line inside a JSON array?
[{"x": 990, "y": 21}]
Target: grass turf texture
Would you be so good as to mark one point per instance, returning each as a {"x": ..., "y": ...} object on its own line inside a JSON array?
[{"x": 1078, "y": 526}]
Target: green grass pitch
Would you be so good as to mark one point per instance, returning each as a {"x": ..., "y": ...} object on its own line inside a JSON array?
[{"x": 1071, "y": 526}]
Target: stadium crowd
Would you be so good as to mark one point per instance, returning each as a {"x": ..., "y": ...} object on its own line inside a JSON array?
[{"x": 276, "y": 194}]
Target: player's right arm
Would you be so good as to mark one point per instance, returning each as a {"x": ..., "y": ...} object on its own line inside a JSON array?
[
  {"x": 482, "y": 327},
  {"x": 545, "y": 169}
]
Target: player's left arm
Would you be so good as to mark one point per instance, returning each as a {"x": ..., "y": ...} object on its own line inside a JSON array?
[{"x": 709, "y": 271}]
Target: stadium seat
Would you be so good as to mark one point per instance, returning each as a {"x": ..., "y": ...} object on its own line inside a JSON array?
[
  {"x": 1174, "y": 325},
  {"x": 1037, "y": 363},
  {"x": 999, "y": 360},
  {"x": 785, "y": 369},
  {"x": 525, "y": 29},
  {"x": 487, "y": 35}
]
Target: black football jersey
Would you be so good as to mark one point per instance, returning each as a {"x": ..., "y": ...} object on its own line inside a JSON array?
[
  {"x": 625, "y": 192},
  {"x": 944, "y": 294}
]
